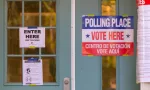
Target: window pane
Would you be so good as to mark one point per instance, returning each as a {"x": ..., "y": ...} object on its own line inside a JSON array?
[
  {"x": 34, "y": 51},
  {"x": 49, "y": 69},
  {"x": 14, "y": 69},
  {"x": 49, "y": 13},
  {"x": 13, "y": 41},
  {"x": 109, "y": 7},
  {"x": 109, "y": 62},
  {"x": 13, "y": 13},
  {"x": 31, "y": 18},
  {"x": 109, "y": 72},
  {"x": 50, "y": 38},
  {"x": 31, "y": 14}
]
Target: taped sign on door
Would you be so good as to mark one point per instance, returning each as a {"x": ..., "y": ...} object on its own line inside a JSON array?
[{"x": 32, "y": 37}]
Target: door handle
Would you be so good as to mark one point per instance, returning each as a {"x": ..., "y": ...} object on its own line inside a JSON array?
[{"x": 66, "y": 83}]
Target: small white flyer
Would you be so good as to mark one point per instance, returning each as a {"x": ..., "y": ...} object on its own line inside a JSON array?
[
  {"x": 32, "y": 37},
  {"x": 32, "y": 72}
]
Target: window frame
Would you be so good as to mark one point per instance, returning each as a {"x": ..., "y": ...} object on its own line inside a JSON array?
[{"x": 6, "y": 27}]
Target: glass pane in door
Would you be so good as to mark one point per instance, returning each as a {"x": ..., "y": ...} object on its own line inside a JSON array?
[
  {"x": 30, "y": 13},
  {"x": 108, "y": 8}
]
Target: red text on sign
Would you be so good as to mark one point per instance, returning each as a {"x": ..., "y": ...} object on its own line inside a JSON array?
[
  {"x": 116, "y": 35},
  {"x": 98, "y": 35}
]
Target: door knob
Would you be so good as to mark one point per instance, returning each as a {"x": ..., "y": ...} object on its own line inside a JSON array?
[{"x": 66, "y": 83}]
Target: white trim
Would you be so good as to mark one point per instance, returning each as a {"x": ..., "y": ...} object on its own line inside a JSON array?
[{"x": 72, "y": 44}]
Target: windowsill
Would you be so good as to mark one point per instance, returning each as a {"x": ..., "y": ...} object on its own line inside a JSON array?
[{"x": 20, "y": 84}]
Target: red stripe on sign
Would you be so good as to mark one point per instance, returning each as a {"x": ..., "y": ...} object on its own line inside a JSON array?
[
  {"x": 143, "y": 2},
  {"x": 108, "y": 48}
]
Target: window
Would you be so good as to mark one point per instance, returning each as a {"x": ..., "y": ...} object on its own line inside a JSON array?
[
  {"x": 25, "y": 14},
  {"x": 108, "y": 62}
]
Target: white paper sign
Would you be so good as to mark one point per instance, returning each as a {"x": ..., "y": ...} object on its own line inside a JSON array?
[
  {"x": 143, "y": 44},
  {"x": 32, "y": 37},
  {"x": 32, "y": 72}
]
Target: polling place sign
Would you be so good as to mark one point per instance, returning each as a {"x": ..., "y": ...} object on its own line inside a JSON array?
[
  {"x": 107, "y": 35},
  {"x": 32, "y": 36}
]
